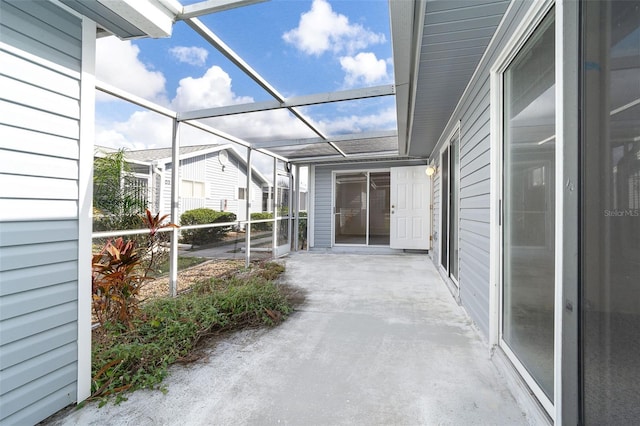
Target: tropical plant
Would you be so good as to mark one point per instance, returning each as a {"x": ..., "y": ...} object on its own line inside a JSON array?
[
  {"x": 118, "y": 197},
  {"x": 154, "y": 240},
  {"x": 120, "y": 270},
  {"x": 116, "y": 281}
]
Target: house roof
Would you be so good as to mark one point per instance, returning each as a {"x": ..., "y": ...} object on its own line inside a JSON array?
[{"x": 164, "y": 154}]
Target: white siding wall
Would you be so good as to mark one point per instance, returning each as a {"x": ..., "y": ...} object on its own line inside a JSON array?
[
  {"x": 474, "y": 114},
  {"x": 223, "y": 185},
  {"x": 219, "y": 185},
  {"x": 40, "y": 57},
  {"x": 193, "y": 169}
]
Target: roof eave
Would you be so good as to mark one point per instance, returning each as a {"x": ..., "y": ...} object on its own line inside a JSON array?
[
  {"x": 130, "y": 19},
  {"x": 406, "y": 33}
]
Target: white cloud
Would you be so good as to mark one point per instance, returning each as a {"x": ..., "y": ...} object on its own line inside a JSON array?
[
  {"x": 321, "y": 30},
  {"x": 190, "y": 55},
  {"x": 118, "y": 64},
  {"x": 363, "y": 68},
  {"x": 213, "y": 89},
  {"x": 383, "y": 120},
  {"x": 145, "y": 129}
]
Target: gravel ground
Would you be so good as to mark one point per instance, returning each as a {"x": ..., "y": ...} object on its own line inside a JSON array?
[{"x": 213, "y": 268}]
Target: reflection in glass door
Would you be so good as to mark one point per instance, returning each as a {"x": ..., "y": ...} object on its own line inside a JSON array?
[
  {"x": 444, "y": 221},
  {"x": 361, "y": 208},
  {"x": 610, "y": 176},
  {"x": 528, "y": 199},
  {"x": 283, "y": 209},
  {"x": 351, "y": 208}
]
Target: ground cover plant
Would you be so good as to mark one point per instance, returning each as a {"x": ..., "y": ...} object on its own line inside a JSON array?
[{"x": 135, "y": 355}]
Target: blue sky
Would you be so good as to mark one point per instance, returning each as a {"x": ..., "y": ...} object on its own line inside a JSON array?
[{"x": 299, "y": 46}]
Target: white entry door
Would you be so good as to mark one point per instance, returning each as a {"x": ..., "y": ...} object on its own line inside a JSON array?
[{"x": 410, "y": 203}]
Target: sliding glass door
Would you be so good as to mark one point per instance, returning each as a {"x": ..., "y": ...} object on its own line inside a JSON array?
[
  {"x": 450, "y": 190},
  {"x": 610, "y": 222},
  {"x": 361, "y": 208},
  {"x": 528, "y": 199}
]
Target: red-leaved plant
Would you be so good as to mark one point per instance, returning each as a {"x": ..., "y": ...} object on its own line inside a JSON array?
[{"x": 118, "y": 274}]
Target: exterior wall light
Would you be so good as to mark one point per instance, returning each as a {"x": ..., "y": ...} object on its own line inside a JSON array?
[{"x": 431, "y": 170}]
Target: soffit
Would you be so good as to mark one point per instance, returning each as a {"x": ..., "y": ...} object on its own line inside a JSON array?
[{"x": 455, "y": 35}]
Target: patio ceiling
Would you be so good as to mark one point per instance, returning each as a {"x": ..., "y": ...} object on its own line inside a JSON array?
[{"x": 436, "y": 48}]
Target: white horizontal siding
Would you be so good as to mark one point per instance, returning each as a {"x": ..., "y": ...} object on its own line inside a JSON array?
[
  {"x": 39, "y": 76},
  {"x": 27, "y": 118},
  {"x": 29, "y": 164},
  {"x": 322, "y": 208},
  {"x": 60, "y": 398},
  {"x": 44, "y": 188},
  {"x": 256, "y": 197},
  {"x": 473, "y": 112},
  {"x": 22, "y": 209},
  {"x": 35, "y": 97},
  {"x": 31, "y": 30},
  {"x": 40, "y": 49},
  {"x": 26, "y": 301},
  {"x": 25, "y": 256},
  {"x": 53, "y": 390},
  {"x": 13, "y": 329},
  {"x": 25, "y": 140},
  {"x": 19, "y": 280},
  {"x": 13, "y": 353},
  {"x": 12, "y": 378},
  {"x": 222, "y": 184}
]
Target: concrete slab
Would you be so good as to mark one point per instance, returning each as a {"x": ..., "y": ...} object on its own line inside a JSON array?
[{"x": 380, "y": 341}]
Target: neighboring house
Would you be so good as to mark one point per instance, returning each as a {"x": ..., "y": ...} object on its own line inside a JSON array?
[
  {"x": 211, "y": 176},
  {"x": 529, "y": 113}
]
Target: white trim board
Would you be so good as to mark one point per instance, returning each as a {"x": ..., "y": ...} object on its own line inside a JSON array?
[
  {"x": 534, "y": 16},
  {"x": 85, "y": 203}
]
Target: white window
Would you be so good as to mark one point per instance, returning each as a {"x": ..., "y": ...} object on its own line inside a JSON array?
[
  {"x": 242, "y": 193},
  {"x": 192, "y": 189}
]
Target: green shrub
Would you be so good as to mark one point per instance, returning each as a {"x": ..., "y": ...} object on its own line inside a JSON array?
[
  {"x": 113, "y": 222},
  {"x": 167, "y": 330},
  {"x": 201, "y": 217},
  {"x": 264, "y": 226},
  {"x": 302, "y": 229}
]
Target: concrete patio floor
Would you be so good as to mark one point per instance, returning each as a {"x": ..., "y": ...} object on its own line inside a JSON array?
[{"x": 379, "y": 341}]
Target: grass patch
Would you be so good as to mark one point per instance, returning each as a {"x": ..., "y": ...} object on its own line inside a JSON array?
[{"x": 168, "y": 330}]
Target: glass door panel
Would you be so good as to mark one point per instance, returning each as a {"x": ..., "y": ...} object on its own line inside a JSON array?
[
  {"x": 610, "y": 275},
  {"x": 444, "y": 229},
  {"x": 379, "y": 203},
  {"x": 350, "y": 216},
  {"x": 528, "y": 233}
]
